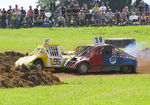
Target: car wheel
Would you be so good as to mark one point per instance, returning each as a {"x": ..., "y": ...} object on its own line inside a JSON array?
[
  {"x": 126, "y": 69},
  {"x": 39, "y": 64},
  {"x": 83, "y": 68}
]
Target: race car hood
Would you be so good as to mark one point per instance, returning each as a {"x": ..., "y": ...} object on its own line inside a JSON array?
[{"x": 25, "y": 60}]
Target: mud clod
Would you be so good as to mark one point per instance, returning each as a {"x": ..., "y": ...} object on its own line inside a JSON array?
[{"x": 10, "y": 77}]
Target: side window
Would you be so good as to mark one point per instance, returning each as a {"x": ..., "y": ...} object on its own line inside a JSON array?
[
  {"x": 107, "y": 50},
  {"x": 52, "y": 51},
  {"x": 99, "y": 51},
  {"x": 42, "y": 51},
  {"x": 115, "y": 52}
]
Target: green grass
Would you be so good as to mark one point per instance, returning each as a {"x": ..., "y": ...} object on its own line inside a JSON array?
[
  {"x": 25, "y": 40},
  {"x": 124, "y": 90}
]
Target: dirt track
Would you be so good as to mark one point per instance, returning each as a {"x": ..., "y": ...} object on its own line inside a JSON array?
[
  {"x": 10, "y": 77},
  {"x": 97, "y": 74},
  {"x": 143, "y": 68}
]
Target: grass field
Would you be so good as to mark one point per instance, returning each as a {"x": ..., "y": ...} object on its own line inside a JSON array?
[
  {"x": 25, "y": 40},
  {"x": 126, "y": 90},
  {"x": 113, "y": 90}
]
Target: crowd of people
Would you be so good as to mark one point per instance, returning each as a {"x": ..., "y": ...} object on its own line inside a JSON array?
[
  {"x": 16, "y": 18},
  {"x": 74, "y": 15}
]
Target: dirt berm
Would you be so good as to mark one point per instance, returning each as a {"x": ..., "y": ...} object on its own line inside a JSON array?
[{"x": 10, "y": 77}]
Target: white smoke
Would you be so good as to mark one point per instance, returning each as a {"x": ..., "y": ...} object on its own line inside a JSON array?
[
  {"x": 135, "y": 50},
  {"x": 138, "y": 51}
]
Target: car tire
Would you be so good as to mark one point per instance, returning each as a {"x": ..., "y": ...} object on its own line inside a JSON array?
[
  {"x": 39, "y": 64},
  {"x": 83, "y": 68},
  {"x": 126, "y": 69}
]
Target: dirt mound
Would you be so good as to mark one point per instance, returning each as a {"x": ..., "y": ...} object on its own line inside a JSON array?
[
  {"x": 10, "y": 77},
  {"x": 144, "y": 61}
]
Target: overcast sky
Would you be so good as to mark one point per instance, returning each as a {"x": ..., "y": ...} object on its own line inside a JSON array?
[{"x": 24, "y": 3}]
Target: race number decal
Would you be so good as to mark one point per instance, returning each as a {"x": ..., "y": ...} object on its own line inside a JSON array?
[
  {"x": 57, "y": 61},
  {"x": 112, "y": 60},
  {"x": 99, "y": 40}
]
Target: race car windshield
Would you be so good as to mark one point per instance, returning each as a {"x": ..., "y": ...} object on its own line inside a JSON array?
[
  {"x": 78, "y": 49},
  {"x": 84, "y": 51},
  {"x": 35, "y": 52}
]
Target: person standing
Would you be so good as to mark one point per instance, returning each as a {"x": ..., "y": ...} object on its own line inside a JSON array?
[
  {"x": 23, "y": 14},
  {"x": 62, "y": 10},
  {"x": 133, "y": 9},
  {"x": 36, "y": 12},
  {"x": 103, "y": 8},
  {"x": 30, "y": 13},
  {"x": 96, "y": 14},
  {"x": 141, "y": 8},
  {"x": 4, "y": 13},
  {"x": 17, "y": 18},
  {"x": 0, "y": 17},
  {"x": 42, "y": 13},
  {"x": 9, "y": 15},
  {"x": 68, "y": 15},
  {"x": 76, "y": 11}
]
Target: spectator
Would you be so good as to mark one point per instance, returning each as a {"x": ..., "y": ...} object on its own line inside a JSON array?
[
  {"x": 96, "y": 8},
  {"x": 4, "y": 14},
  {"x": 9, "y": 15},
  {"x": 96, "y": 13},
  {"x": 68, "y": 15},
  {"x": 72, "y": 4},
  {"x": 39, "y": 20},
  {"x": 53, "y": 23},
  {"x": 110, "y": 17},
  {"x": 124, "y": 16},
  {"x": 133, "y": 9},
  {"x": 12, "y": 22},
  {"x": 46, "y": 20},
  {"x": 133, "y": 18},
  {"x": 23, "y": 14},
  {"x": 103, "y": 7},
  {"x": 143, "y": 19},
  {"x": 81, "y": 17},
  {"x": 141, "y": 8},
  {"x": 0, "y": 17},
  {"x": 102, "y": 17},
  {"x": 30, "y": 13},
  {"x": 16, "y": 8},
  {"x": 62, "y": 10},
  {"x": 84, "y": 8},
  {"x": 61, "y": 21},
  {"x": 118, "y": 18},
  {"x": 36, "y": 12},
  {"x": 42, "y": 12},
  {"x": 76, "y": 11},
  {"x": 17, "y": 18},
  {"x": 88, "y": 18},
  {"x": 128, "y": 13}
]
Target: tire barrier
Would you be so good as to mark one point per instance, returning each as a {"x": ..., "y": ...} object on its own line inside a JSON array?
[{"x": 121, "y": 42}]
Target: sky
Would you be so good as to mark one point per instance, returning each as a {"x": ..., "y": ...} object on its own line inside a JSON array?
[
  {"x": 25, "y": 3},
  {"x": 146, "y": 1}
]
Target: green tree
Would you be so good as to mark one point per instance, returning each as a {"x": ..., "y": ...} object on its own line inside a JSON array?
[{"x": 113, "y": 4}]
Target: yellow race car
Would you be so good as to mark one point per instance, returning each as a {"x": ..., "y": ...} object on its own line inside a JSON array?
[{"x": 45, "y": 56}]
